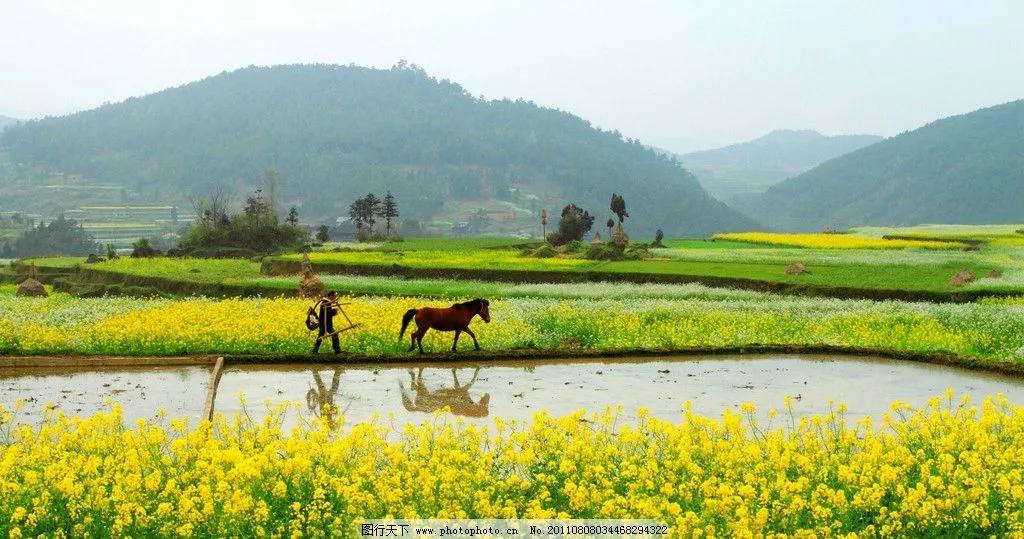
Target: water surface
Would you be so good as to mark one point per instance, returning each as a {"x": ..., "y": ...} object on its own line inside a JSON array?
[{"x": 512, "y": 389}]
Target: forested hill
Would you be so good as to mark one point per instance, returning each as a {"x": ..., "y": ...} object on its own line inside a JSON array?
[
  {"x": 756, "y": 165},
  {"x": 961, "y": 169},
  {"x": 6, "y": 121},
  {"x": 334, "y": 132}
]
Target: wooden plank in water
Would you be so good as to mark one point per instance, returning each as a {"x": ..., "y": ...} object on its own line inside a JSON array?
[{"x": 211, "y": 391}]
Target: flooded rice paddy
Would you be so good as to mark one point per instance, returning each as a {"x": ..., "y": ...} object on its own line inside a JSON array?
[{"x": 513, "y": 389}]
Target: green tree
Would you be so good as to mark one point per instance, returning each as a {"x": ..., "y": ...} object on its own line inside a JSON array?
[
  {"x": 371, "y": 209},
  {"x": 142, "y": 249},
  {"x": 357, "y": 212},
  {"x": 610, "y": 223},
  {"x": 618, "y": 207},
  {"x": 58, "y": 237},
  {"x": 389, "y": 211},
  {"x": 574, "y": 223},
  {"x": 323, "y": 234},
  {"x": 293, "y": 216},
  {"x": 256, "y": 229}
]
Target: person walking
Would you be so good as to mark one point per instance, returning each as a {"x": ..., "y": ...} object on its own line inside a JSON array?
[{"x": 328, "y": 308}]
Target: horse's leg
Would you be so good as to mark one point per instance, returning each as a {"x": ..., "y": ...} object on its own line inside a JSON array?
[
  {"x": 421, "y": 386},
  {"x": 471, "y": 334},
  {"x": 476, "y": 371},
  {"x": 455, "y": 343},
  {"x": 455, "y": 376},
  {"x": 419, "y": 337}
]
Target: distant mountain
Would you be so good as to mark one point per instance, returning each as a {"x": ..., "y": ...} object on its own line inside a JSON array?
[
  {"x": 333, "y": 133},
  {"x": 752, "y": 167},
  {"x": 6, "y": 121},
  {"x": 962, "y": 169}
]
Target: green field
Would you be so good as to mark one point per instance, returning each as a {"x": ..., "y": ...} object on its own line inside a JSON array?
[
  {"x": 715, "y": 262},
  {"x": 872, "y": 273}
]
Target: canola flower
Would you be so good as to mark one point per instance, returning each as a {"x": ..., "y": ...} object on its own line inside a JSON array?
[
  {"x": 834, "y": 241},
  {"x": 132, "y": 326},
  {"x": 950, "y": 469}
]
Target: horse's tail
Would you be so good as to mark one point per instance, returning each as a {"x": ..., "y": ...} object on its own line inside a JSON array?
[{"x": 406, "y": 318}]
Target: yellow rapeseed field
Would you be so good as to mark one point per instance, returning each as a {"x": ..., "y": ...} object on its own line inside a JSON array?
[
  {"x": 833, "y": 241},
  {"x": 132, "y": 326},
  {"x": 950, "y": 469}
]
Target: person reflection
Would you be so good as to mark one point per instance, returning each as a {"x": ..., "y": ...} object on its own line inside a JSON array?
[
  {"x": 320, "y": 399},
  {"x": 456, "y": 398}
]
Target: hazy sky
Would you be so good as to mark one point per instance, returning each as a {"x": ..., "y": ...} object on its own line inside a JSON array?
[{"x": 679, "y": 74}]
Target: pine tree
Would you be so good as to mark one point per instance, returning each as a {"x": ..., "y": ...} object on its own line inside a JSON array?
[
  {"x": 371, "y": 209},
  {"x": 618, "y": 207},
  {"x": 356, "y": 212},
  {"x": 389, "y": 211},
  {"x": 293, "y": 217}
]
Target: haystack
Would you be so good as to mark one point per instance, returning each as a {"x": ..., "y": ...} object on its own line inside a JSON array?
[
  {"x": 962, "y": 278},
  {"x": 31, "y": 287},
  {"x": 797, "y": 268},
  {"x": 994, "y": 274},
  {"x": 597, "y": 239},
  {"x": 310, "y": 286},
  {"x": 619, "y": 237}
]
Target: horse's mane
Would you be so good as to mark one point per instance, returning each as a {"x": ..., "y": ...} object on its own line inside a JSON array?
[{"x": 475, "y": 304}]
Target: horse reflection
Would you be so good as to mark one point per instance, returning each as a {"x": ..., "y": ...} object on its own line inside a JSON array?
[
  {"x": 320, "y": 399},
  {"x": 457, "y": 398}
]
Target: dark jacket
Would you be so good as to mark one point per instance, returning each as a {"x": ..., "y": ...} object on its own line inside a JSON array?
[{"x": 326, "y": 316}]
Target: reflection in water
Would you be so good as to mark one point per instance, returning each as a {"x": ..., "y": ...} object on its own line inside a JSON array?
[
  {"x": 457, "y": 398},
  {"x": 320, "y": 399},
  {"x": 515, "y": 389}
]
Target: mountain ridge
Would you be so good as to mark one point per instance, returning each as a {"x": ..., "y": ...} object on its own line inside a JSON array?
[
  {"x": 737, "y": 171},
  {"x": 335, "y": 132},
  {"x": 967, "y": 168}
]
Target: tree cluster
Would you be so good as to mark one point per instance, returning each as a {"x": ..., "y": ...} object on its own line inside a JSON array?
[
  {"x": 365, "y": 211},
  {"x": 573, "y": 224},
  {"x": 58, "y": 237},
  {"x": 256, "y": 228}
]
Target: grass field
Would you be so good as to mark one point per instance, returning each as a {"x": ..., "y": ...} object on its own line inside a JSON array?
[
  {"x": 834, "y": 260},
  {"x": 901, "y": 272}
]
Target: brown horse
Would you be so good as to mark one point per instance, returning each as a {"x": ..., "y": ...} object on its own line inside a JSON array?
[{"x": 455, "y": 318}]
